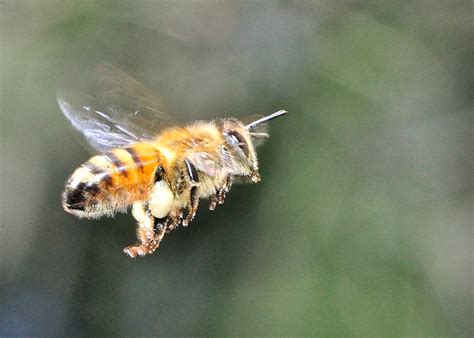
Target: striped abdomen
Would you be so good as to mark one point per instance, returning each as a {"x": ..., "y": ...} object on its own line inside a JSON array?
[{"x": 111, "y": 181}]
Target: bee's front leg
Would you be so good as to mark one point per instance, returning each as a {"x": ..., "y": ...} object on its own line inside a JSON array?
[{"x": 219, "y": 196}]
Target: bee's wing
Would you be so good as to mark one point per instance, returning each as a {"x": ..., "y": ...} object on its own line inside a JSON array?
[
  {"x": 132, "y": 105},
  {"x": 210, "y": 163},
  {"x": 97, "y": 128},
  {"x": 213, "y": 164},
  {"x": 122, "y": 110}
]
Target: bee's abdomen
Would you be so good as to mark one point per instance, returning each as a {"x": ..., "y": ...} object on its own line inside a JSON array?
[{"x": 111, "y": 181}]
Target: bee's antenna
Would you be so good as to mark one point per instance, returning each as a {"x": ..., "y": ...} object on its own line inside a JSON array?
[{"x": 265, "y": 119}]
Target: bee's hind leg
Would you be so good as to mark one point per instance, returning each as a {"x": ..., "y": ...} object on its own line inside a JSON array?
[{"x": 149, "y": 239}]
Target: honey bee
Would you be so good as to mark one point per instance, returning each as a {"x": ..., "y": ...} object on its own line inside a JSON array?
[{"x": 161, "y": 170}]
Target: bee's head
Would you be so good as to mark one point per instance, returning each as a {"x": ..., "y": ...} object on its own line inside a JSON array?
[
  {"x": 239, "y": 143},
  {"x": 242, "y": 139}
]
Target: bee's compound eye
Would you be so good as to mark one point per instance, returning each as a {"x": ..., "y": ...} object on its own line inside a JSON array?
[{"x": 235, "y": 138}]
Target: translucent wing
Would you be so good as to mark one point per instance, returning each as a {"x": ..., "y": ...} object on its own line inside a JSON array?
[
  {"x": 120, "y": 111},
  {"x": 212, "y": 163},
  {"x": 128, "y": 102},
  {"x": 205, "y": 162},
  {"x": 97, "y": 128}
]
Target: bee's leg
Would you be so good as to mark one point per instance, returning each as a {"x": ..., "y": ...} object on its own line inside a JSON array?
[
  {"x": 149, "y": 240},
  {"x": 193, "y": 197},
  {"x": 224, "y": 189},
  {"x": 193, "y": 206},
  {"x": 174, "y": 219},
  {"x": 213, "y": 204},
  {"x": 173, "y": 223},
  {"x": 219, "y": 196},
  {"x": 160, "y": 232},
  {"x": 255, "y": 176}
]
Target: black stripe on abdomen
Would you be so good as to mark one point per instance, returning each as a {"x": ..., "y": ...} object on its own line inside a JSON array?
[
  {"x": 101, "y": 172},
  {"x": 117, "y": 162},
  {"x": 93, "y": 168},
  {"x": 136, "y": 159},
  {"x": 77, "y": 197}
]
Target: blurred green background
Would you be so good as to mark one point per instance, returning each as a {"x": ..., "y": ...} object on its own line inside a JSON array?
[{"x": 361, "y": 226}]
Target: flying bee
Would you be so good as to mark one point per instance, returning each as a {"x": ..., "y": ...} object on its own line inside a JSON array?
[{"x": 161, "y": 170}]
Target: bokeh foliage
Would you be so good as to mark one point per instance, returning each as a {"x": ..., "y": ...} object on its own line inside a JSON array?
[{"x": 361, "y": 225}]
